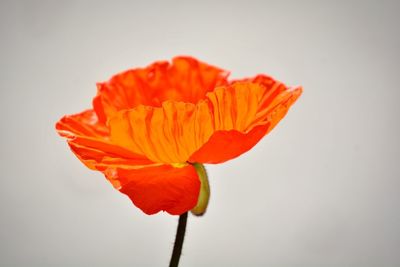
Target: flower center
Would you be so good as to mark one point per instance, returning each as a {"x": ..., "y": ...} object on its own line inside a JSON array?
[{"x": 179, "y": 164}]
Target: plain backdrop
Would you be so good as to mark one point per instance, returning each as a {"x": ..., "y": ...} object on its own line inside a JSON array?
[{"x": 322, "y": 189}]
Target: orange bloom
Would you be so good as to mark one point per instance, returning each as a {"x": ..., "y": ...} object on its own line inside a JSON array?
[{"x": 148, "y": 126}]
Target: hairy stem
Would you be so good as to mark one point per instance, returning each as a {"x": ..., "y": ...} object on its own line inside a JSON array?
[{"x": 180, "y": 236}]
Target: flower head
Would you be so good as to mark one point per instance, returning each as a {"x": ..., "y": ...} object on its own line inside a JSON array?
[{"x": 148, "y": 126}]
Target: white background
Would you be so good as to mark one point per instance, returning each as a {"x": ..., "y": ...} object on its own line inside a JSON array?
[{"x": 322, "y": 189}]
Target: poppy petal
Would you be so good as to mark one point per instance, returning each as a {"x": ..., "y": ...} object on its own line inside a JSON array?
[
  {"x": 226, "y": 145},
  {"x": 169, "y": 134},
  {"x": 106, "y": 157},
  {"x": 159, "y": 188},
  {"x": 243, "y": 114},
  {"x": 185, "y": 79},
  {"x": 88, "y": 139},
  {"x": 81, "y": 124}
]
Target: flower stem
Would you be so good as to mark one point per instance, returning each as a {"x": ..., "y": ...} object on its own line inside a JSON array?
[{"x": 180, "y": 235}]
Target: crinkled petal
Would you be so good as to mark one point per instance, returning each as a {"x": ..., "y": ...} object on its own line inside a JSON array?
[
  {"x": 169, "y": 134},
  {"x": 82, "y": 124},
  {"x": 185, "y": 79},
  {"x": 226, "y": 145},
  {"x": 159, "y": 188},
  {"x": 243, "y": 114},
  {"x": 89, "y": 140}
]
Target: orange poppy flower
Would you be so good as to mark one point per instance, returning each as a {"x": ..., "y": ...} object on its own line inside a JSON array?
[{"x": 149, "y": 126}]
